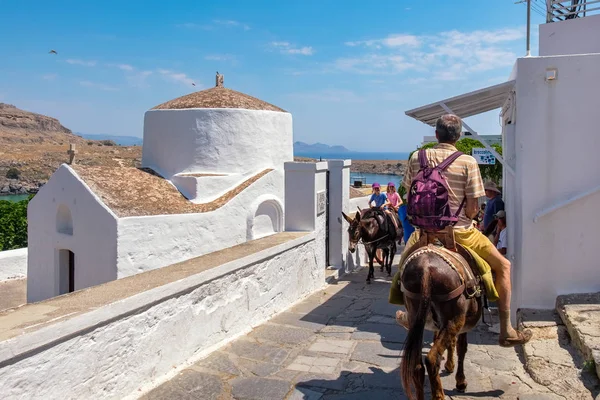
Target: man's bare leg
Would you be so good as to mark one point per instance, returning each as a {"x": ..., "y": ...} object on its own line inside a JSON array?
[{"x": 501, "y": 266}]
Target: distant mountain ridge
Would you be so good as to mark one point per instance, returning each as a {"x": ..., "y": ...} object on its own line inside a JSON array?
[
  {"x": 19, "y": 127},
  {"x": 120, "y": 140},
  {"x": 301, "y": 147}
]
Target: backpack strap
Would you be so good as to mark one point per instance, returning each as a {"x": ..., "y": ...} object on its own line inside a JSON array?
[
  {"x": 446, "y": 163},
  {"x": 462, "y": 204},
  {"x": 422, "y": 159}
]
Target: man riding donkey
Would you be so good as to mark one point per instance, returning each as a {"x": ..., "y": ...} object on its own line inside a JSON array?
[{"x": 464, "y": 187}]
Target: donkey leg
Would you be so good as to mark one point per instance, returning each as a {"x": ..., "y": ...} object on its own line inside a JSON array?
[
  {"x": 418, "y": 379},
  {"x": 392, "y": 254},
  {"x": 461, "y": 382},
  {"x": 449, "y": 366},
  {"x": 433, "y": 361},
  {"x": 371, "y": 256}
]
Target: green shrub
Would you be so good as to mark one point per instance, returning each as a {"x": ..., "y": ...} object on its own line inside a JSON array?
[
  {"x": 13, "y": 173},
  {"x": 488, "y": 172},
  {"x": 13, "y": 224}
]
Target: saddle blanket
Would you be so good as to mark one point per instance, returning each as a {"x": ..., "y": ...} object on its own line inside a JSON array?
[{"x": 483, "y": 269}]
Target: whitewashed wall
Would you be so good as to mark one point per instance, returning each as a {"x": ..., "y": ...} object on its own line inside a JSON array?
[
  {"x": 146, "y": 243},
  {"x": 577, "y": 36},
  {"x": 557, "y": 145},
  {"x": 93, "y": 242},
  {"x": 216, "y": 140},
  {"x": 339, "y": 197},
  {"x": 13, "y": 264},
  {"x": 135, "y": 343},
  {"x": 303, "y": 183}
]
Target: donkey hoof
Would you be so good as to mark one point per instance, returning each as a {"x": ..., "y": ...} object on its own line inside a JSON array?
[
  {"x": 449, "y": 368},
  {"x": 461, "y": 387}
]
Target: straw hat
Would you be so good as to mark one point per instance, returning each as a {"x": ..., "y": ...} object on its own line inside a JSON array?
[{"x": 491, "y": 186}]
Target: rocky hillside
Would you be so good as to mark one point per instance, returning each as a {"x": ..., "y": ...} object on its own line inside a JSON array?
[
  {"x": 20, "y": 126},
  {"x": 33, "y": 146}
]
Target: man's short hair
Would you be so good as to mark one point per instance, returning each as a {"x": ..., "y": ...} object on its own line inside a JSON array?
[{"x": 448, "y": 128}]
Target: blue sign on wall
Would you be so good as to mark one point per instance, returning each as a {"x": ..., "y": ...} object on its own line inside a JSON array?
[{"x": 483, "y": 156}]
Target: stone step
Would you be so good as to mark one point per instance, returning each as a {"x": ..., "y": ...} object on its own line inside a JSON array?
[
  {"x": 581, "y": 316},
  {"x": 551, "y": 360}
]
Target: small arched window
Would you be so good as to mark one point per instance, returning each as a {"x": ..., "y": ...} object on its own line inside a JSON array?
[{"x": 64, "y": 221}]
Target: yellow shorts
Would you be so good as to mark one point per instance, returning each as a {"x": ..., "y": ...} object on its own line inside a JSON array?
[{"x": 471, "y": 238}]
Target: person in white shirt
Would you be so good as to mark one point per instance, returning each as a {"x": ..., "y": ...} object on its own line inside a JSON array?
[{"x": 500, "y": 239}]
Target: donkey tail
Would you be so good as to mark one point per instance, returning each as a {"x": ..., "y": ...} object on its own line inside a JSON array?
[{"x": 413, "y": 345}]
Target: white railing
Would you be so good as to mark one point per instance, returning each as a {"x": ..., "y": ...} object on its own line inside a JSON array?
[{"x": 557, "y": 10}]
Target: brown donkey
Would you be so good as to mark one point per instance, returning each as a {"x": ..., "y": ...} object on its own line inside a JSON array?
[{"x": 436, "y": 301}]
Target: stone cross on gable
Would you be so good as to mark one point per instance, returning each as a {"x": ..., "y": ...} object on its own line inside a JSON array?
[
  {"x": 71, "y": 153},
  {"x": 219, "y": 82}
]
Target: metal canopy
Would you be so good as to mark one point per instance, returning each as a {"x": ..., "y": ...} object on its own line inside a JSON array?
[{"x": 465, "y": 105}]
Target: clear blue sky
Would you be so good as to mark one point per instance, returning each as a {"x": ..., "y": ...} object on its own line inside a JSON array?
[{"x": 346, "y": 70}]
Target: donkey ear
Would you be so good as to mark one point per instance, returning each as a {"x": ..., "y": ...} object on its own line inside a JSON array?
[
  {"x": 347, "y": 218},
  {"x": 357, "y": 216}
]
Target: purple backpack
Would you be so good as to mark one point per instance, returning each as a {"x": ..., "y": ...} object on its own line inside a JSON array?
[{"x": 428, "y": 207}]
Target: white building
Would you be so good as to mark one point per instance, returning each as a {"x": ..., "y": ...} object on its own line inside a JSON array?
[
  {"x": 212, "y": 177},
  {"x": 550, "y": 143}
]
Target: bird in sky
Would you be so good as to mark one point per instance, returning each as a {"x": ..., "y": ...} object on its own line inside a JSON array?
[
  {"x": 52, "y": 52},
  {"x": 193, "y": 84}
]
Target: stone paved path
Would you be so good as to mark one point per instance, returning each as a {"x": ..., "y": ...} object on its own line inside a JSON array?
[{"x": 341, "y": 343}]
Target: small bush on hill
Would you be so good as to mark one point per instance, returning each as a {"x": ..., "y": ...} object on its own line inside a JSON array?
[
  {"x": 108, "y": 143},
  {"x": 13, "y": 173}
]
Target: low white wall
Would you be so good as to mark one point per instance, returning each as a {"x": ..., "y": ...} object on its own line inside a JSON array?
[
  {"x": 111, "y": 352},
  {"x": 13, "y": 264},
  {"x": 146, "y": 243},
  {"x": 216, "y": 140}
]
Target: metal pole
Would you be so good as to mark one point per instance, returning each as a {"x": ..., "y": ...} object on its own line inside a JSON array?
[{"x": 528, "y": 26}]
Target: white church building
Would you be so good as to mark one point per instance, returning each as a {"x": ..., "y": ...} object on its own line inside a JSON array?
[{"x": 212, "y": 177}]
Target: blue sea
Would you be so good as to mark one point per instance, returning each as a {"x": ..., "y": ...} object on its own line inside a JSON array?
[{"x": 355, "y": 155}]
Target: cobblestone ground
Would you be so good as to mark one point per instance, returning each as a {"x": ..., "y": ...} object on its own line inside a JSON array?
[{"x": 341, "y": 343}]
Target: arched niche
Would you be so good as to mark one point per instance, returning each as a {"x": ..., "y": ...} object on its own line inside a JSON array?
[
  {"x": 64, "y": 220},
  {"x": 267, "y": 219}
]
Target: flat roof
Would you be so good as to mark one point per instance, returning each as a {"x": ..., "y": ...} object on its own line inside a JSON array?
[{"x": 465, "y": 105}]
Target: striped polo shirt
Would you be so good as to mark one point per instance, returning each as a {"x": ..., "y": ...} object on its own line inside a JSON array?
[{"x": 463, "y": 177}]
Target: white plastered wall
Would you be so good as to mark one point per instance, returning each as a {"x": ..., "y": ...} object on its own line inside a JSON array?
[
  {"x": 93, "y": 242},
  {"x": 339, "y": 197},
  {"x": 216, "y": 140},
  {"x": 576, "y": 36},
  {"x": 151, "y": 242},
  {"x": 123, "y": 349},
  {"x": 556, "y": 143}
]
